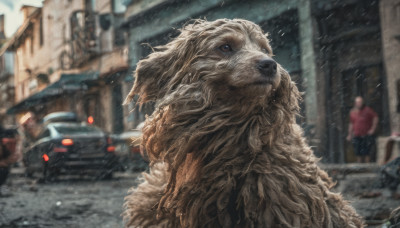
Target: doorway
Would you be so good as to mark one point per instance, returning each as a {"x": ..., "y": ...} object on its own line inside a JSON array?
[{"x": 367, "y": 82}]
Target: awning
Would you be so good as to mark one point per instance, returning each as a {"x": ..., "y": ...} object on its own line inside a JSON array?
[{"x": 66, "y": 84}]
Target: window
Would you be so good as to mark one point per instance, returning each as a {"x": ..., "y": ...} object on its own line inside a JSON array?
[
  {"x": 41, "y": 31},
  {"x": 45, "y": 134},
  {"x": 90, "y": 5},
  {"x": 118, "y": 6},
  {"x": 32, "y": 44},
  {"x": 70, "y": 130}
]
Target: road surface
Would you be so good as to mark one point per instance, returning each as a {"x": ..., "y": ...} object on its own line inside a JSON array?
[
  {"x": 71, "y": 201},
  {"x": 76, "y": 202}
]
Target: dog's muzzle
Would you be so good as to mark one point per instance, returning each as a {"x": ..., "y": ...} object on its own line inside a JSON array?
[{"x": 267, "y": 67}]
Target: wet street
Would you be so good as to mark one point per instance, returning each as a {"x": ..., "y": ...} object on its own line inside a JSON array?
[
  {"x": 84, "y": 201},
  {"x": 71, "y": 201}
]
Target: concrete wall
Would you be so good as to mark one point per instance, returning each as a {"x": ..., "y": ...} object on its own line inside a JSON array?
[
  {"x": 390, "y": 21},
  {"x": 381, "y": 149},
  {"x": 147, "y": 24},
  {"x": 321, "y": 65},
  {"x": 314, "y": 112}
]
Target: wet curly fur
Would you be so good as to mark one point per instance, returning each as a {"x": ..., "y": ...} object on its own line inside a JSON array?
[{"x": 223, "y": 141}]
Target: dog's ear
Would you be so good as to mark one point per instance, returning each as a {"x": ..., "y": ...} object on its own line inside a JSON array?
[
  {"x": 150, "y": 77},
  {"x": 163, "y": 69}
]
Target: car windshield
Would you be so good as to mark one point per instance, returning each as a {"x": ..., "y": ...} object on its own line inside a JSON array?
[{"x": 70, "y": 130}]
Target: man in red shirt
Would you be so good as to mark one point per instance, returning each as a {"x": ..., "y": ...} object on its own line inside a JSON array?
[{"x": 362, "y": 126}]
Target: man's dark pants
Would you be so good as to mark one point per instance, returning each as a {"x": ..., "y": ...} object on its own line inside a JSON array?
[{"x": 362, "y": 145}]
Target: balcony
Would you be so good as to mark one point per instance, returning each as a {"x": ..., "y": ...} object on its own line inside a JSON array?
[
  {"x": 92, "y": 35},
  {"x": 84, "y": 43}
]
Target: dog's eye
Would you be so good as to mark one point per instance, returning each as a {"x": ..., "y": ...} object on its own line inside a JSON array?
[
  {"x": 225, "y": 48},
  {"x": 265, "y": 50}
]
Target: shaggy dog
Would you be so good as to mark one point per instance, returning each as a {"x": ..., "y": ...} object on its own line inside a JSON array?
[{"x": 223, "y": 141}]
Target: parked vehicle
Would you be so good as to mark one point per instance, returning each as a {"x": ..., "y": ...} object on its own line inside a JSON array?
[
  {"x": 8, "y": 139},
  {"x": 69, "y": 147},
  {"x": 60, "y": 117},
  {"x": 128, "y": 150}
]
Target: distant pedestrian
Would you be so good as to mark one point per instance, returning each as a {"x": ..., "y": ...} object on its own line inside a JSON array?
[
  {"x": 8, "y": 156},
  {"x": 362, "y": 127},
  {"x": 28, "y": 131}
]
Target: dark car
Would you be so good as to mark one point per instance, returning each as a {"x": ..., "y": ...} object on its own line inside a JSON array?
[
  {"x": 60, "y": 117},
  {"x": 128, "y": 150},
  {"x": 70, "y": 148},
  {"x": 8, "y": 139}
]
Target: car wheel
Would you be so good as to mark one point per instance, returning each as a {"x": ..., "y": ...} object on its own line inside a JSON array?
[
  {"x": 47, "y": 174},
  {"x": 106, "y": 175}
]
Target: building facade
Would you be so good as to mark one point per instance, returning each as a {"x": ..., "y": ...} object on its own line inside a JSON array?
[
  {"x": 7, "y": 90},
  {"x": 79, "y": 55},
  {"x": 334, "y": 50},
  {"x": 6, "y": 80},
  {"x": 71, "y": 56}
]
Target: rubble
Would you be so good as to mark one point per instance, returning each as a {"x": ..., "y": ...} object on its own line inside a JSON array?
[{"x": 361, "y": 185}]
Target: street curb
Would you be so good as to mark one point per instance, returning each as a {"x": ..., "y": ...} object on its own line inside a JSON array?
[{"x": 17, "y": 172}]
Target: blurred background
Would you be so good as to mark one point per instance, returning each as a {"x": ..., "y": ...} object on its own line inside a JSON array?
[{"x": 79, "y": 56}]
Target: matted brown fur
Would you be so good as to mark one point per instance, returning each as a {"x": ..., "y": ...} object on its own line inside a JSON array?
[{"x": 223, "y": 141}]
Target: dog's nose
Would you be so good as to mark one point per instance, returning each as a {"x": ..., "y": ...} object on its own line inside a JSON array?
[{"x": 267, "y": 67}]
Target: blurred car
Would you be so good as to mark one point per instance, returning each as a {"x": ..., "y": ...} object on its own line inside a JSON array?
[
  {"x": 128, "y": 150},
  {"x": 60, "y": 117},
  {"x": 68, "y": 147},
  {"x": 8, "y": 139}
]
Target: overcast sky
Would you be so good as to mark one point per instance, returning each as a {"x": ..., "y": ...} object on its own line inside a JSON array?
[{"x": 13, "y": 15}]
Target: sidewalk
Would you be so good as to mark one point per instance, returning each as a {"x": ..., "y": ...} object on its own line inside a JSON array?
[
  {"x": 351, "y": 167},
  {"x": 20, "y": 172},
  {"x": 330, "y": 168},
  {"x": 17, "y": 172}
]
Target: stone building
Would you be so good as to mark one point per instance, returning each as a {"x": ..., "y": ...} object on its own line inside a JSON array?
[
  {"x": 6, "y": 87},
  {"x": 71, "y": 56},
  {"x": 390, "y": 29},
  {"x": 6, "y": 80},
  {"x": 335, "y": 51}
]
